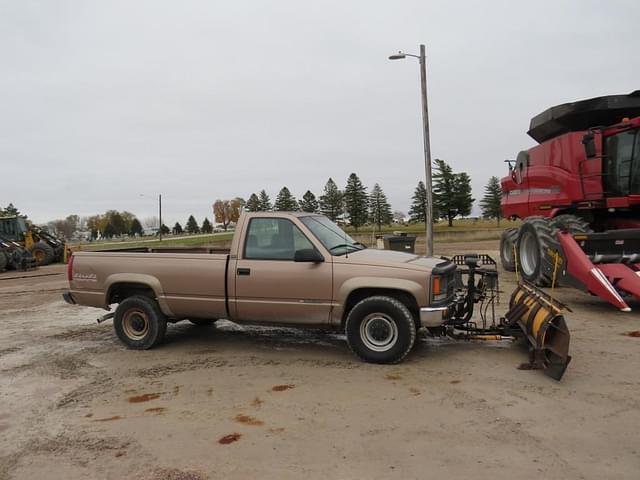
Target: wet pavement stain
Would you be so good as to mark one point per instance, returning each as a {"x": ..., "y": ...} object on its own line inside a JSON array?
[
  {"x": 248, "y": 420},
  {"x": 227, "y": 439},
  {"x": 282, "y": 388},
  {"x": 145, "y": 397},
  {"x": 108, "y": 419}
]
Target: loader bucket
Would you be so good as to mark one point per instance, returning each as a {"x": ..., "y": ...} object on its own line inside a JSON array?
[{"x": 540, "y": 319}]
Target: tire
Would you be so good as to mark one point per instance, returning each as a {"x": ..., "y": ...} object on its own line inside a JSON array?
[
  {"x": 42, "y": 252},
  {"x": 535, "y": 238},
  {"x": 3, "y": 261},
  {"x": 380, "y": 330},
  {"x": 139, "y": 323},
  {"x": 569, "y": 223},
  {"x": 202, "y": 322},
  {"x": 507, "y": 254}
]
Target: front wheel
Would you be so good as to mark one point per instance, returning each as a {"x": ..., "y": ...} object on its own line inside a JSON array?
[
  {"x": 507, "y": 254},
  {"x": 380, "y": 330},
  {"x": 43, "y": 253},
  {"x": 139, "y": 323}
]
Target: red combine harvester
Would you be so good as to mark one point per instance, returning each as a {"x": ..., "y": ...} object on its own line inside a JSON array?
[{"x": 578, "y": 193}]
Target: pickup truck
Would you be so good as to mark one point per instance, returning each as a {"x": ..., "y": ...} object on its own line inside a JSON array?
[{"x": 284, "y": 268}]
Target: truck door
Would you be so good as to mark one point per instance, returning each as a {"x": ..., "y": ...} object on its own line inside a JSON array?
[{"x": 270, "y": 286}]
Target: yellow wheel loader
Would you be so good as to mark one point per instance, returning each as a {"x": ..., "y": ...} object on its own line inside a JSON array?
[{"x": 43, "y": 246}]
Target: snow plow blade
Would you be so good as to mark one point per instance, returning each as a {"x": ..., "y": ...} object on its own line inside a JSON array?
[{"x": 540, "y": 318}]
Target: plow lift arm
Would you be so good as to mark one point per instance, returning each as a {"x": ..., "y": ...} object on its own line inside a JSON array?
[{"x": 532, "y": 315}]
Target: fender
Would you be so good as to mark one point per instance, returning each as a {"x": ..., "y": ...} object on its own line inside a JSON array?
[
  {"x": 140, "y": 278},
  {"x": 414, "y": 289}
]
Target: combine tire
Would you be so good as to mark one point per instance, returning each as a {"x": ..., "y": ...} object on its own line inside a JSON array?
[
  {"x": 139, "y": 323},
  {"x": 380, "y": 330},
  {"x": 507, "y": 255},
  {"x": 3, "y": 261},
  {"x": 43, "y": 253},
  {"x": 535, "y": 238},
  {"x": 570, "y": 224}
]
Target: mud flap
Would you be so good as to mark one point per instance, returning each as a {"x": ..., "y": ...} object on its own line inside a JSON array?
[{"x": 542, "y": 323}]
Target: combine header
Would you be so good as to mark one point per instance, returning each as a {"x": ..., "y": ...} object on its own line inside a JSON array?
[{"x": 578, "y": 193}]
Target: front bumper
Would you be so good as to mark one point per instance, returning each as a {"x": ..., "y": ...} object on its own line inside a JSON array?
[
  {"x": 68, "y": 298},
  {"x": 433, "y": 316}
]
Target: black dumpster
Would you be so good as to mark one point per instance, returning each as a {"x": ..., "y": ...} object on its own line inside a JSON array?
[{"x": 400, "y": 242}]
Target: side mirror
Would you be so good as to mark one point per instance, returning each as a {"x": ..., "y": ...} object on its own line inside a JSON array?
[
  {"x": 589, "y": 145},
  {"x": 308, "y": 255}
]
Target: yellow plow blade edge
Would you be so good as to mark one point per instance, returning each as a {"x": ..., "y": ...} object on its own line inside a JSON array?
[{"x": 541, "y": 320}]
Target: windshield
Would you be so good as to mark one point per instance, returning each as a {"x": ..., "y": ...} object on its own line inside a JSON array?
[
  {"x": 622, "y": 164},
  {"x": 331, "y": 235}
]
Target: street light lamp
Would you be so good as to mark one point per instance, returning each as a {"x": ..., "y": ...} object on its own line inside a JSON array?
[
  {"x": 159, "y": 212},
  {"x": 427, "y": 143}
]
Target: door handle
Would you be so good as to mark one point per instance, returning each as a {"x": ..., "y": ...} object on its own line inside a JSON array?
[{"x": 244, "y": 271}]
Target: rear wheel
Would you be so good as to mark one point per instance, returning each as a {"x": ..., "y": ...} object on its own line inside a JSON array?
[
  {"x": 507, "y": 254},
  {"x": 535, "y": 238},
  {"x": 380, "y": 330},
  {"x": 42, "y": 252},
  {"x": 3, "y": 261},
  {"x": 139, "y": 323}
]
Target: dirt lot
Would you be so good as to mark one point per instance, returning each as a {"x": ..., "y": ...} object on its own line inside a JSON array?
[{"x": 237, "y": 403}]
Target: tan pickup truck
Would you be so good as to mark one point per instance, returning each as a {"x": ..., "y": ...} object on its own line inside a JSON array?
[{"x": 292, "y": 269}]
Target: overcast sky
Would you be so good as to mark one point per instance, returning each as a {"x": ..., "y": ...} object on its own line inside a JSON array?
[{"x": 198, "y": 100}]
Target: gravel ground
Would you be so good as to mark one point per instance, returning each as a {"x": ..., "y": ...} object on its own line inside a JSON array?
[{"x": 246, "y": 402}]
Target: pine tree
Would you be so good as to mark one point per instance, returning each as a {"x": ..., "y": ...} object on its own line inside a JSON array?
[
  {"x": 265, "y": 202},
  {"x": 206, "y": 226},
  {"x": 356, "y": 201},
  {"x": 164, "y": 229},
  {"x": 253, "y": 204},
  {"x": 331, "y": 201},
  {"x": 136, "y": 228},
  {"x": 177, "y": 229},
  {"x": 418, "y": 210},
  {"x": 285, "y": 202},
  {"x": 11, "y": 210},
  {"x": 444, "y": 186},
  {"x": 309, "y": 203},
  {"x": 379, "y": 207},
  {"x": 192, "y": 225},
  {"x": 463, "y": 201},
  {"x": 490, "y": 203}
]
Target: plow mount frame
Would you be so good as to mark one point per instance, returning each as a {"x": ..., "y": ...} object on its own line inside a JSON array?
[{"x": 533, "y": 315}]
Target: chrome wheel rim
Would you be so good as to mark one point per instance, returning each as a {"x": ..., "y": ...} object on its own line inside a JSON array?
[
  {"x": 135, "y": 324},
  {"x": 378, "y": 332},
  {"x": 528, "y": 253}
]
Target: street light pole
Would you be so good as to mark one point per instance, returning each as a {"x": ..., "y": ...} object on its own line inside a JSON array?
[
  {"x": 160, "y": 213},
  {"x": 427, "y": 143},
  {"x": 427, "y": 150}
]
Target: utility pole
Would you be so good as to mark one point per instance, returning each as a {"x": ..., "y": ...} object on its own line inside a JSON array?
[
  {"x": 427, "y": 143},
  {"x": 160, "y": 213},
  {"x": 427, "y": 150}
]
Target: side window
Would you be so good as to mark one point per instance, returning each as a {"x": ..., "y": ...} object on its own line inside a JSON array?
[
  {"x": 273, "y": 239},
  {"x": 619, "y": 158}
]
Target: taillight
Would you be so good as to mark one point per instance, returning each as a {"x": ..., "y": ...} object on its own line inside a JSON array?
[{"x": 70, "y": 268}]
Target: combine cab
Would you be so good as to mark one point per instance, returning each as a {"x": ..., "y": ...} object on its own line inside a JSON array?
[{"x": 578, "y": 194}]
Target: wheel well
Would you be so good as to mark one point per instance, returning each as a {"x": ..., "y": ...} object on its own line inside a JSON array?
[
  {"x": 120, "y": 291},
  {"x": 401, "y": 295}
]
